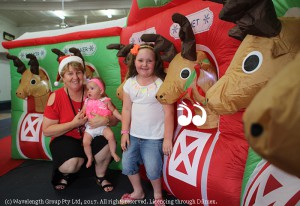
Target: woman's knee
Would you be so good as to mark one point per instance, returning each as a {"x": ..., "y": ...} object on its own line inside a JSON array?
[
  {"x": 103, "y": 155},
  {"x": 72, "y": 165}
]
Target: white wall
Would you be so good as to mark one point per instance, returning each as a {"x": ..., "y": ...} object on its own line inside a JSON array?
[
  {"x": 9, "y": 27},
  {"x": 5, "y": 81},
  {"x": 5, "y": 78},
  {"x": 5, "y": 87}
]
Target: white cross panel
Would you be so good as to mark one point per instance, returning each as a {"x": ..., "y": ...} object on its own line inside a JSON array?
[
  {"x": 31, "y": 127},
  {"x": 190, "y": 167}
]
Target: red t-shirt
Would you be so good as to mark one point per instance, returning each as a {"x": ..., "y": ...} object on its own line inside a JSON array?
[{"x": 61, "y": 110}]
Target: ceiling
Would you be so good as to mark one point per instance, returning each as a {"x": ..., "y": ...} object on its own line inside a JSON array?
[{"x": 39, "y": 13}]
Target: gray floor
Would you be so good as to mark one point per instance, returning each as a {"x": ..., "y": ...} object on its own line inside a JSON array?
[
  {"x": 5, "y": 122},
  {"x": 29, "y": 184},
  {"x": 30, "y": 181}
]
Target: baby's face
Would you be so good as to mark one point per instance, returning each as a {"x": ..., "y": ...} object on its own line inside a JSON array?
[{"x": 94, "y": 92}]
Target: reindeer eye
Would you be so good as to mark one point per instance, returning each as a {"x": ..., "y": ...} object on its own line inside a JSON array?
[
  {"x": 185, "y": 73},
  {"x": 252, "y": 62},
  {"x": 32, "y": 81}
]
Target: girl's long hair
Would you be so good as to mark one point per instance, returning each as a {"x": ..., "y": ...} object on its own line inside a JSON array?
[{"x": 158, "y": 67}]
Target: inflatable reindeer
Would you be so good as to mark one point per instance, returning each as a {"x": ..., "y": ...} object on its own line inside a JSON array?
[
  {"x": 124, "y": 51},
  {"x": 34, "y": 88},
  {"x": 189, "y": 75},
  {"x": 34, "y": 82},
  {"x": 271, "y": 124}
]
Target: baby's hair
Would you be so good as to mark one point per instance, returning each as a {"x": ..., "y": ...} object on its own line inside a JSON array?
[{"x": 158, "y": 68}]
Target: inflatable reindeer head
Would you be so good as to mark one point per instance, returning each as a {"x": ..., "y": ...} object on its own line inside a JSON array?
[
  {"x": 260, "y": 56},
  {"x": 124, "y": 51},
  {"x": 34, "y": 81},
  {"x": 190, "y": 73},
  {"x": 272, "y": 119}
]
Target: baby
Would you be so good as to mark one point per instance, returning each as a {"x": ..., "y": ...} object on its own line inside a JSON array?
[{"x": 98, "y": 103}]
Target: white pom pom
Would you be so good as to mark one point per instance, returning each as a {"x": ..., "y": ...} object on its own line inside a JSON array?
[{"x": 56, "y": 83}]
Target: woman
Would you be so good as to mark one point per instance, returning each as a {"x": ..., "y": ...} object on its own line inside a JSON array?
[{"x": 64, "y": 121}]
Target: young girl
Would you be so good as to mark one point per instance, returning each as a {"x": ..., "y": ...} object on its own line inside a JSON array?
[
  {"x": 147, "y": 126},
  {"x": 97, "y": 103}
]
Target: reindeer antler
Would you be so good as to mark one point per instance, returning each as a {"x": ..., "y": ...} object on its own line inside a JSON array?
[
  {"x": 186, "y": 34},
  {"x": 34, "y": 64},
  {"x": 252, "y": 17},
  {"x": 17, "y": 63},
  {"x": 58, "y": 53},
  {"x": 161, "y": 45},
  {"x": 124, "y": 50},
  {"x": 77, "y": 52}
]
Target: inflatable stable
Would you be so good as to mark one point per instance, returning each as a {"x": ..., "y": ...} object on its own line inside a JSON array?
[{"x": 211, "y": 162}]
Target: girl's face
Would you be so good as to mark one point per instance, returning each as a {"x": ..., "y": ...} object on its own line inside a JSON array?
[
  {"x": 145, "y": 62},
  {"x": 94, "y": 92},
  {"x": 73, "y": 78}
]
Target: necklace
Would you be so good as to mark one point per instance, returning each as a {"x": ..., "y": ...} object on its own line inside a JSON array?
[{"x": 80, "y": 128}]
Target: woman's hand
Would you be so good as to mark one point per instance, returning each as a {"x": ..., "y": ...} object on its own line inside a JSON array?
[
  {"x": 79, "y": 120},
  {"x": 125, "y": 141},
  {"x": 98, "y": 121},
  {"x": 167, "y": 147}
]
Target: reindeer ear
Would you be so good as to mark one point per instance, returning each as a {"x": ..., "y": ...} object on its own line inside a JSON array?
[{"x": 279, "y": 48}]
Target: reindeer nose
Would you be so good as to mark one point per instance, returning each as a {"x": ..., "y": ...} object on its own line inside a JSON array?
[
  {"x": 160, "y": 96},
  {"x": 256, "y": 129}
]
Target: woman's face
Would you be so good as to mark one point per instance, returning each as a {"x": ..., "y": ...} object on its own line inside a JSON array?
[
  {"x": 73, "y": 78},
  {"x": 145, "y": 62}
]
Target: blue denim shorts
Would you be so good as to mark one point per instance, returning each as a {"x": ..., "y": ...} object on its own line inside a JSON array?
[{"x": 143, "y": 151}]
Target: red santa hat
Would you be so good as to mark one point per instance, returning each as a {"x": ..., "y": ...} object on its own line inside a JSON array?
[{"x": 63, "y": 61}]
